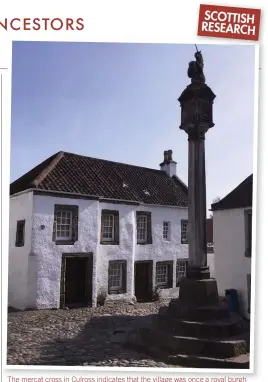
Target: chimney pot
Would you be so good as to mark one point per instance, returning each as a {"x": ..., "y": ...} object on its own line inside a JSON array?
[
  {"x": 165, "y": 156},
  {"x": 170, "y": 152}
]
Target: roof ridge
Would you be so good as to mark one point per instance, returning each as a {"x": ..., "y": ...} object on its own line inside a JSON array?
[
  {"x": 111, "y": 161},
  {"x": 77, "y": 174},
  {"x": 47, "y": 169}
]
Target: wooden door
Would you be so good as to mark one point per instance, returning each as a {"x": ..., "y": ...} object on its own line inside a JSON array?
[
  {"x": 143, "y": 281},
  {"x": 76, "y": 280},
  {"x": 62, "y": 282}
]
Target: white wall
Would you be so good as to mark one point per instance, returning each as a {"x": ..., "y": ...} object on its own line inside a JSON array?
[
  {"x": 48, "y": 255},
  {"x": 231, "y": 265},
  {"x": 211, "y": 264},
  {"x": 20, "y": 209},
  {"x": 35, "y": 269},
  {"x": 162, "y": 250},
  {"x": 128, "y": 249},
  {"x": 124, "y": 251}
]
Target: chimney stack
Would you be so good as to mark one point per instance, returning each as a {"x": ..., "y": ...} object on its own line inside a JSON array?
[
  {"x": 168, "y": 165},
  {"x": 169, "y": 155},
  {"x": 165, "y": 156}
]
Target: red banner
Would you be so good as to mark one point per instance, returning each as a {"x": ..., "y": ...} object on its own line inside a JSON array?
[{"x": 229, "y": 22}]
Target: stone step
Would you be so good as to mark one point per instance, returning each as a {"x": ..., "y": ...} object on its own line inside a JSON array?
[
  {"x": 223, "y": 348},
  {"x": 199, "y": 313},
  {"x": 188, "y": 360},
  {"x": 226, "y": 327},
  {"x": 196, "y": 361}
]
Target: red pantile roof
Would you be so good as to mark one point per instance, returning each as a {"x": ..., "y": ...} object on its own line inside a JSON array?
[{"x": 70, "y": 173}]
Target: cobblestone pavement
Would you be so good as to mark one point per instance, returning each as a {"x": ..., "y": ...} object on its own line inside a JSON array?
[{"x": 77, "y": 336}]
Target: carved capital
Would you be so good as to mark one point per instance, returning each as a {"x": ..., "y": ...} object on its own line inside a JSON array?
[{"x": 195, "y": 131}]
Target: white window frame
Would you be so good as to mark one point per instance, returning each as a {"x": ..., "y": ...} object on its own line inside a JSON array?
[
  {"x": 145, "y": 222},
  {"x": 61, "y": 212},
  {"x": 184, "y": 233},
  {"x": 181, "y": 263},
  {"x": 166, "y": 231},
  {"x": 119, "y": 266},
  {"x": 108, "y": 226},
  {"x": 165, "y": 272}
]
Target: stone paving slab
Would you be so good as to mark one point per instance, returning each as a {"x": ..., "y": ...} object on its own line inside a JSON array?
[{"x": 78, "y": 336}]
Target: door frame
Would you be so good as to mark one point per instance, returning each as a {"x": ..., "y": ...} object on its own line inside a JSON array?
[
  {"x": 89, "y": 270},
  {"x": 151, "y": 269}
]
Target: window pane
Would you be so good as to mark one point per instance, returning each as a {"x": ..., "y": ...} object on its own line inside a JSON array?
[
  {"x": 184, "y": 231},
  {"x": 181, "y": 269},
  {"x": 63, "y": 224},
  {"x": 116, "y": 276},
  {"x": 166, "y": 230},
  {"x": 20, "y": 233},
  {"x": 141, "y": 228},
  {"x": 108, "y": 227},
  {"x": 161, "y": 274}
]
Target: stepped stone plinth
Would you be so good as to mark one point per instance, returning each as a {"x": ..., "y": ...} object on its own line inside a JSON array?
[{"x": 206, "y": 336}]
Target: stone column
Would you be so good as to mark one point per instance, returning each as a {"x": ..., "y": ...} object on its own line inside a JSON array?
[
  {"x": 196, "y": 119},
  {"x": 196, "y": 108},
  {"x": 197, "y": 208}
]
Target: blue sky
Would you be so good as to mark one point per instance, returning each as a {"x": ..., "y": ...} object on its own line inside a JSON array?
[{"x": 119, "y": 102}]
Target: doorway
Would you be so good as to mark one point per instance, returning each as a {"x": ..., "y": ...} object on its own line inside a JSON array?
[
  {"x": 143, "y": 280},
  {"x": 76, "y": 280}
]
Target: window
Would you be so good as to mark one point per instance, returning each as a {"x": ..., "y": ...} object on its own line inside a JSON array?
[
  {"x": 65, "y": 229},
  {"x": 144, "y": 229},
  {"x": 248, "y": 232},
  {"x": 64, "y": 225},
  {"x": 184, "y": 231},
  {"x": 164, "y": 272},
  {"x": 166, "y": 230},
  {"x": 109, "y": 227},
  {"x": 117, "y": 277},
  {"x": 20, "y": 233},
  {"x": 181, "y": 270},
  {"x": 210, "y": 248}
]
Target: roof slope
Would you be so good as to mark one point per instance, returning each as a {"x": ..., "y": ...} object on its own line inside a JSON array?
[
  {"x": 240, "y": 197},
  {"x": 76, "y": 174}
]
